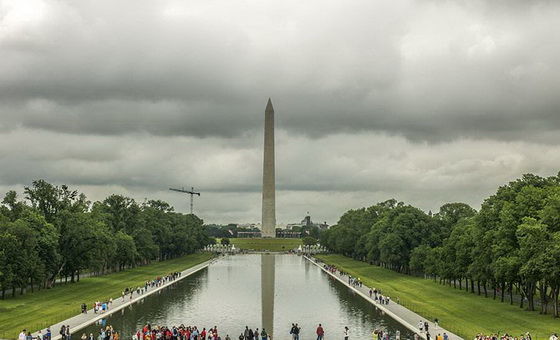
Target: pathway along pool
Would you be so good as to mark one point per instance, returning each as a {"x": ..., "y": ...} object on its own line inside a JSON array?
[{"x": 228, "y": 295}]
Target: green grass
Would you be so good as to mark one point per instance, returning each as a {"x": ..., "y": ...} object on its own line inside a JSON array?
[
  {"x": 270, "y": 244},
  {"x": 40, "y": 309},
  {"x": 463, "y": 313}
]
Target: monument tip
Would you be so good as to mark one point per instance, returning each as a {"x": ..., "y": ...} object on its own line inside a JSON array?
[{"x": 269, "y": 107}]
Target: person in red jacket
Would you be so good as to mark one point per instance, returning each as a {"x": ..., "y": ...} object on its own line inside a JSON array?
[{"x": 320, "y": 332}]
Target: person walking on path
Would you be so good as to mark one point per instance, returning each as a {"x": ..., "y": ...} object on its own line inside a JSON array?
[
  {"x": 420, "y": 326},
  {"x": 436, "y": 322},
  {"x": 320, "y": 332},
  {"x": 346, "y": 333}
]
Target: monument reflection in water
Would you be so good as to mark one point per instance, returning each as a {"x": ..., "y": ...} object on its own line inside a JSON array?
[
  {"x": 267, "y": 291},
  {"x": 270, "y": 291}
]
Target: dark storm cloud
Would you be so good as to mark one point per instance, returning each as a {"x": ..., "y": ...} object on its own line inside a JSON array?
[{"x": 207, "y": 69}]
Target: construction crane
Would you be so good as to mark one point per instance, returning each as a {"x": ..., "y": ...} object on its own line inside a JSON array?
[{"x": 191, "y": 192}]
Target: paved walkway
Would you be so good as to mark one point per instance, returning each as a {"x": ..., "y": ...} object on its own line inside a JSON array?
[
  {"x": 404, "y": 316},
  {"x": 81, "y": 321}
]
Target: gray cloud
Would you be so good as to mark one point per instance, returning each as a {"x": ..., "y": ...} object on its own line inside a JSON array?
[
  {"x": 425, "y": 101},
  {"x": 432, "y": 71}
]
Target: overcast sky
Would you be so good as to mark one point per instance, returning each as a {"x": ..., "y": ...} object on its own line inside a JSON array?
[{"x": 427, "y": 102}]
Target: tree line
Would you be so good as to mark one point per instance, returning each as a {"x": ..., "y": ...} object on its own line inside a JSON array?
[
  {"x": 511, "y": 246},
  {"x": 56, "y": 232}
]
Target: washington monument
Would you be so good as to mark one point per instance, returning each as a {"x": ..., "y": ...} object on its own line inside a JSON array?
[{"x": 269, "y": 183}]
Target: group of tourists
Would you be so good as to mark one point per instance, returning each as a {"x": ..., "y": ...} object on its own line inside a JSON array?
[
  {"x": 157, "y": 282},
  {"x": 374, "y": 293},
  {"x": 182, "y": 332},
  {"x": 249, "y": 334},
  {"x": 294, "y": 331},
  {"x": 507, "y": 336},
  {"x": 107, "y": 333},
  {"x": 26, "y": 335}
]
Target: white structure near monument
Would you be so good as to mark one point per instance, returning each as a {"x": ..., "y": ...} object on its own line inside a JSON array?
[{"x": 269, "y": 182}]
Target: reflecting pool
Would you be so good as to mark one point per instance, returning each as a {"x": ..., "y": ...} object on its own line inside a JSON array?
[{"x": 256, "y": 290}]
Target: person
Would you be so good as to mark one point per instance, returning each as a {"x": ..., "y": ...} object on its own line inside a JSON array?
[
  {"x": 445, "y": 336},
  {"x": 426, "y": 325},
  {"x": 427, "y": 335},
  {"x": 436, "y": 322},
  {"x": 346, "y": 332},
  {"x": 29, "y": 336},
  {"x": 227, "y": 337},
  {"x": 296, "y": 331},
  {"x": 398, "y": 335},
  {"x": 416, "y": 336},
  {"x": 553, "y": 337},
  {"x": 420, "y": 326},
  {"x": 246, "y": 333},
  {"x": 263, "y": 334},
  {"x": 63, "y": 332},
  {"x": 68, "y": 335},
  {"x": 39, "y": 335},
  {"x": 320, "y": 332},
  {"x": 257, "y": 333},
  {"x": 22, "y": 335},
  {"x": 48, "y": 333}
]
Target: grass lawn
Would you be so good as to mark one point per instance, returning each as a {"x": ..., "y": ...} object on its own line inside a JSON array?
[
  {"x": 271, "y": 244},
  {"x": 463, "y": 313},
  {"x": 37, "y": 310}
]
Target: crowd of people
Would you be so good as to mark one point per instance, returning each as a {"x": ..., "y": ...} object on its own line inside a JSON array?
[
  {"x": 105, "y": 333},
  {"x": 100, "y": 307},
  {"x": 182, "y": 332},
  {"x": 374, "y": 293},
  {"x": 507, "y": 336},
  {"x": 157, "y": 282}
]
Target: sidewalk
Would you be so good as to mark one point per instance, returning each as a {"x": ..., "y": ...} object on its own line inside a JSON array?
[
  {"x": 81, "y": 321},
  {"x": 404, "y": 316}
]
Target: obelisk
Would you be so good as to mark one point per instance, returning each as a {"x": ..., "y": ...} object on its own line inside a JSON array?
[{"x": 269, "y": 184}]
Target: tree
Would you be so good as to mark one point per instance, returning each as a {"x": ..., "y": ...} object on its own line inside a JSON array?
[
  {"x": 309, "y": 241},
  {"x": 11, "y": 207},
  {"x": 50, "y": 199}
]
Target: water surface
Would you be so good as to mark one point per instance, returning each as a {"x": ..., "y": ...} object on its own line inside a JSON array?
[{"x": 229, "y": 294}]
